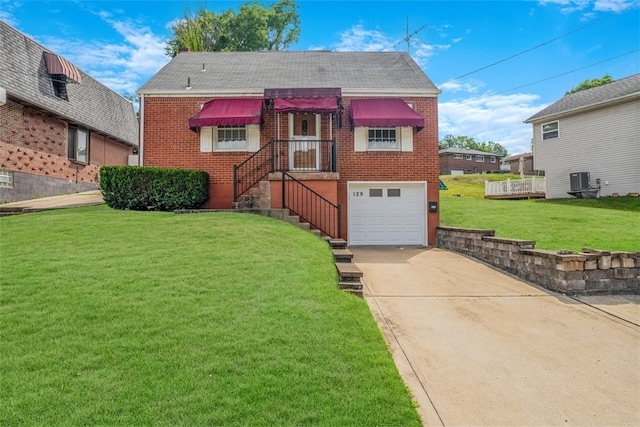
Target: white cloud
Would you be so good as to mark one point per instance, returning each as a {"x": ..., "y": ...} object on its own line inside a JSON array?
[
  {"x": 359, "y": 39},
  {"x": 6, "y": 12},
  {"x": 613, "y": 5},
  {"x": 497, "y": 118},
  {"x": 471, "y": 87},
  {"x": 570, "y": 6},
  {"x": 122, "y": 66}
]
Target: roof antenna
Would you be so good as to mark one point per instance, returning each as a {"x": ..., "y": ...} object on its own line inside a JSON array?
[
  {"x": 407, "y": 38},
  {"x": 188, "y": 83}
]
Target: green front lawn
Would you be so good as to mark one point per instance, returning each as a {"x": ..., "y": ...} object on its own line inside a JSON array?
[
  {"x": 607, "y": 223},
  {"x": 149, "y": 318}
]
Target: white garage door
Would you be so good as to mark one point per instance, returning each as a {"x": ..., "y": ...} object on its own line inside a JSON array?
[
  {"x": 457, "y": 172},
  {"x": 387, "y": 213}
]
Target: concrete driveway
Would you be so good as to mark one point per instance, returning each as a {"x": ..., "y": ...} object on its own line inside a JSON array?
[{"x": 478, "y": 347}]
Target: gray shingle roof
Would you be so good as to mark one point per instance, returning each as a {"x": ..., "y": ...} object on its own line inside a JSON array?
[
  {"x": 252, "y": 72},
  {"x": 23, "y": 73},
  {"x": 590, "y": 98}
]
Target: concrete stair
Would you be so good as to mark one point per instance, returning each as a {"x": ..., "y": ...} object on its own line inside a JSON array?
[{"x": 349, "y": 273}]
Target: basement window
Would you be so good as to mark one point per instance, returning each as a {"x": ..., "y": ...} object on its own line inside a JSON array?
[{"x": 6, "y": 179}]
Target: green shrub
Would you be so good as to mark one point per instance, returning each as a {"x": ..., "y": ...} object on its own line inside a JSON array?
[{"x": 144, "y": 188}]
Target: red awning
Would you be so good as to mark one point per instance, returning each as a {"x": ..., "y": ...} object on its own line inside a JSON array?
[
  {"x": 384, "y": 112},
  {"x": 58, "y": 65},
  {"x": 304, "y": 100},
  {"x": 304, "y": 105},
  {"x": 228, "y": 112}
]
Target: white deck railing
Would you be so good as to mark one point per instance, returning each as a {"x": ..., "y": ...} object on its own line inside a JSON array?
[{"x": 515, "y": 186}]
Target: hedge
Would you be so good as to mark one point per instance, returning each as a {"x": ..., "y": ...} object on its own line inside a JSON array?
[{"x": 157, "y": 189}]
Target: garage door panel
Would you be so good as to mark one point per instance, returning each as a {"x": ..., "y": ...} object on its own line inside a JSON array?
[{"x": 393, "y": 217}]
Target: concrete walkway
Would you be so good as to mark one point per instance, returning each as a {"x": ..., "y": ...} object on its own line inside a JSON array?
[
  {"x": 481, "y": 348},
  {"x": 86, "y": 198}
]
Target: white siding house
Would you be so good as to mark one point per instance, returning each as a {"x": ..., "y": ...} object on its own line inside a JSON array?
[{"x": 596, "y": 131}]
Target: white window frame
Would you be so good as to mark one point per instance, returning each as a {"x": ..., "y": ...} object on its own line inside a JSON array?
[
  {"x": 209, "y": 139},
  {"x": 550, "y": 133},
  {"x": 480, "y": 158},
  {"x": 383, "y": 138},
  {"x": 404, "y": 139},
  {"x": 469, "y": 157},
  {"x": 78, "y": 140},
  {"x": 458, "y": 157},
  {"x": 493, "y": 159}
]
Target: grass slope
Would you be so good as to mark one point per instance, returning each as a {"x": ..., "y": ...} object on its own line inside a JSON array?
[
  {"x": 141, "y": 318},
  {"x": 606, "y": 223}
]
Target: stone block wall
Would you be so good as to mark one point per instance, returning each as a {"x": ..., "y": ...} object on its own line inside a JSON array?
[{"x": 588, "y": 272}]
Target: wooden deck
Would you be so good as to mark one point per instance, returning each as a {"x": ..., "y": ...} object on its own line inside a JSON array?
[
  {"x": 517, "y": 196},
  {"x": 528, "y": 188}
]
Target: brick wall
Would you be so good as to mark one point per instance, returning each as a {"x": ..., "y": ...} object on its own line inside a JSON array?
[
  {"x": 589, "y": 272},
  {"x": 168, "y": 142},
  {"x": 448, "y": 163},
  {"x": 33, "y": 142}
]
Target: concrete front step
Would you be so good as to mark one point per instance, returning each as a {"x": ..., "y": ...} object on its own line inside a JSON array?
[
  {"x": 348, "y": 271},
  {"x": 337, "y": 243},
  {"x": 342, "y": 255}
]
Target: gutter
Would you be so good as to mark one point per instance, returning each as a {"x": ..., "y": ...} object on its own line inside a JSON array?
[{"x": 141, "y": 130}]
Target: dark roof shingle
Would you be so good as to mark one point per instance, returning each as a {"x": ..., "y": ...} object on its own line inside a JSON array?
[
  {"x": 590, "y": 97},
  {"x": 24, "y": 75},
  {"x": 255, "y": 71}
]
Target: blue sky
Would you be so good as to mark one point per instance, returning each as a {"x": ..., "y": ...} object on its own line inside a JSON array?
[{"x": 496, "y": 62}]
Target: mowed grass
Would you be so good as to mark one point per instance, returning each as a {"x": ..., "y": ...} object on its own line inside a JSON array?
[
  {"x": 147, "y": 318},
  {"x": 607, "y": 223}
]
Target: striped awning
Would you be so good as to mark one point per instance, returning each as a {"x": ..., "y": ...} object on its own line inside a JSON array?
[{"x": 58, "y": 65}]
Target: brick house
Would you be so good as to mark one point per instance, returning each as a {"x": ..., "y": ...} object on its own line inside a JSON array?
[
  {"x": 527, "y": 163},
  {"x": 57, "y": 124},
  {"x": 458, "y": 161},
  {"x": 346, "y": 140}
]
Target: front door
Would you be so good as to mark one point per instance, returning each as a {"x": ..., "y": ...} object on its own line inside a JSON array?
[{"x": 304, "y": 141}]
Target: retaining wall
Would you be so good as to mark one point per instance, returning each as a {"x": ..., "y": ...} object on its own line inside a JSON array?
[{"x": 588, "y": 272}]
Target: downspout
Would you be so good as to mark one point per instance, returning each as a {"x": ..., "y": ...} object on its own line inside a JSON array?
[{"x": 141, "y": 139}]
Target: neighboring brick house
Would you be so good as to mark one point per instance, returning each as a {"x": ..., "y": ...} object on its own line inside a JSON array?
[
  {"x": 591, "y": 139},
  {"x": 57, "y": 124},
  {"x": 361, "y": 129},
  {"x": 458, "y": 161},
  {"x": 527, "y": 163}
]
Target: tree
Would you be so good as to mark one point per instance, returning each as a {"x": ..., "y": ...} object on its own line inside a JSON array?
[
  {"x": 451, "y": 141},
  {"x": 588, "y": 84},
  {"x": 252, "y": 28}
]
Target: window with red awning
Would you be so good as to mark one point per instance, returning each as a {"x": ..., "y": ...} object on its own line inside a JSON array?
[
  {"x": 228, "y": 112},
  {"x": 384, "y": 112}
]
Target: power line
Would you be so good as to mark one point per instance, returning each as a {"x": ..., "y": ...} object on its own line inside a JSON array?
[
  {"x": 546, "y": 78},
  {"x": 538, "y": 46}
]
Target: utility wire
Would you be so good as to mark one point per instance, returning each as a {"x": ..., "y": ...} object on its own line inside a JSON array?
[
  {"x": 539, "y": 45},
  {"x": 545, "y": 79}
]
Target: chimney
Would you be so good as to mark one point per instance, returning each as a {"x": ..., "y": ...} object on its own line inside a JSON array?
[{"x": 183, "y": 49}]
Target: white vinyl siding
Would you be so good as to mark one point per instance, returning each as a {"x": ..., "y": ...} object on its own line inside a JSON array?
[
  {"x": 602, "y": 142},
  {"x": 404, "y": 139}
]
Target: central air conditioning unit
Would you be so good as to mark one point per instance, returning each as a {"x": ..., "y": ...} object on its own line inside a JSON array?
[{"x": 579, "y": 181}]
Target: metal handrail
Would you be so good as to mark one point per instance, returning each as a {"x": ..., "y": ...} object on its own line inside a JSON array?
[
  {"x": 308, "y": 156},
  {"x": 311, "y": 207}
]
